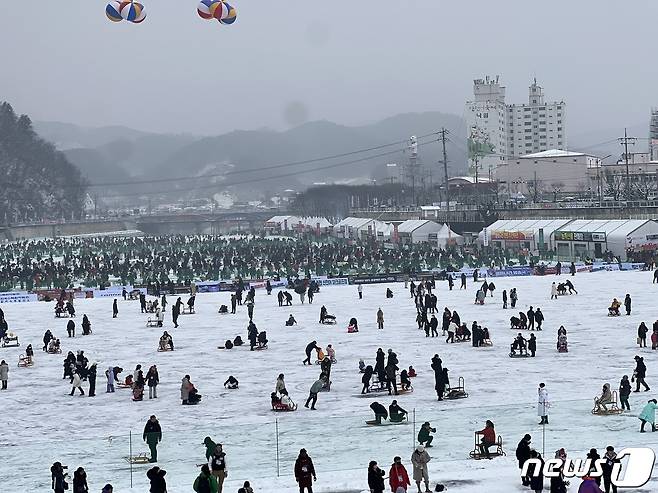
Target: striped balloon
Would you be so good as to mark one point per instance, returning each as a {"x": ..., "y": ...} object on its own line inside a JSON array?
[
  {"x": 204, "y": 9},
  {"x": 218, "y": 10},
  {"x": 132, "y": 11},
  {"x": 113, "y": 11},
  {"x": 229, "y": 15}
]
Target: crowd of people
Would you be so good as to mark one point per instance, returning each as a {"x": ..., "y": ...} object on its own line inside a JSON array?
[{"x": 61, "y": 262}]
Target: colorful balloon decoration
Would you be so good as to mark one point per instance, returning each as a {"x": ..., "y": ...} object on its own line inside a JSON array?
[
  {"x": 217, "y": 9},
  {"x": 130, "y": 11}
]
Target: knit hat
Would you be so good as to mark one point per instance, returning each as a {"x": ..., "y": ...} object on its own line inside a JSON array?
[{"x": 420, "y": 449}]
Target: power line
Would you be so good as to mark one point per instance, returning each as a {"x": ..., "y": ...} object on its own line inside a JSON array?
[
  {"x": 265, "y": 178},
  {"x": 256, "y": 170}
]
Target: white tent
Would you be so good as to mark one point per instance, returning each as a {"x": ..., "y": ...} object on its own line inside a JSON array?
[{"x": 446, "y": 237}]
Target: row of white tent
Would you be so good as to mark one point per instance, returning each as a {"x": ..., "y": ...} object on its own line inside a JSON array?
[{"x": 362, "y": 228}]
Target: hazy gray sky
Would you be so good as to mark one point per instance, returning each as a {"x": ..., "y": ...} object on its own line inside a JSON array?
[{"x": 349, "y": 62}]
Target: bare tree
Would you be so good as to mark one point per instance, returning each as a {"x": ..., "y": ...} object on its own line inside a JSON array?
[
  {"x": 614, "y": 184},
  {"x": 644, "y": 186}
]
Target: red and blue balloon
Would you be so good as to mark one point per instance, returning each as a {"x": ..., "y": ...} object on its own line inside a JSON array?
[{"x": 132, "y": 11}]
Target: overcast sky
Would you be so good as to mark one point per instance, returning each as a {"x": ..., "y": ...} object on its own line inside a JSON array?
[{"x": 349, "y": 62}]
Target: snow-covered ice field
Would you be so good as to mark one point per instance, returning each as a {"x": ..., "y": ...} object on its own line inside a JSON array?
[{"x": 41, "y": 423}]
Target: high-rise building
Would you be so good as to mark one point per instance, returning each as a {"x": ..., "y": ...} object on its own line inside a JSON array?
[
  {"x": 537, "y": 126},
  {"x": 653, "y": 135},
  {"x": 486, "y": 123},
  {"x": 498, "y": 131}
]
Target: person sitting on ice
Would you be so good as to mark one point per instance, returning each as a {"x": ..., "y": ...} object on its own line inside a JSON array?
[
  {"x": 514, "y": 322},
  {"x": 480, "y": 296},
  {"x": 562, "y": 343},
  {"x": 519, "y": 344},
  {"x": 53, "y": 346},
  {"x": 231, "y": 383},
  {"x": 613, "y": 309},
  {"x": 411, "y": 372},
  {"x": 485, "y": 334},
  {"x": 389, "y": 293},
  {"x": 380, "y": 412},
  {"x": 262, "y": 339},
  {"x": 488, "y": 438},
  {"x": 228, "y": 344},
  {"x": 128, "y": 381},
  {"x": 331, "y": 353},
  {"x": 405, "y": 383},
  {"x": 523, "y": 321},
  {"x": 605, "y": 398},
  {"x": 275, "y": 398},
  {"x": 223, "y": 309},
  {"x": 362, "y": 366},
  {"x": 354, "y": 325},
  {"x": 238, "y": 341},
  {"x": 291, "y": 321},
  {"x": 166, "y": 342},
  {"x": 396, "y": 413}
]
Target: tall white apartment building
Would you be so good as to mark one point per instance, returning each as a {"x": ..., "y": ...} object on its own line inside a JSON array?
[
  {"x": 497, "y": 131},
  {"x": 486, "y": 123},
  {"x": 653, "y": 136},
  {"x": 537, "y": 126}
]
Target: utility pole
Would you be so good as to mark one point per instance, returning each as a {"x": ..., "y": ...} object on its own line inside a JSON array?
[
  {"x": 625, "y": 142},
  {"x": 443, "y": 133}
]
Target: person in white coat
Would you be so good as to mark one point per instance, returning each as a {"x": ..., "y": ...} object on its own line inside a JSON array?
[
  {"x": 419, "y": 460},
  {"x": 553, "y": 291},
  {"x": 4, "y": 374},
  {"x": 543, "y": 403},
  {"x": 77, "y": 384},
  {"x": 359, "y": 289}
]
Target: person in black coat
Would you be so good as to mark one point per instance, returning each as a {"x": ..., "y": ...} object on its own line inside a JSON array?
[
  {"x": 380, "y": 412},
  {"x": 522, "y": 455},
  {"x": 152, "y": 435},
  {"x": 86, "y": 325},
  {"x": 610, "y": 458},
  {"x": 537, "y": 480},
  {"x": 47, "y": 337},
  {"x": 439, "y": 385},
  {"x": 379, "y": 361},
  {"x": 310, "y": 347},
  {"x": 375, "y": 478},
  {"x": 80, "y": 481},
  {"x": 627, "y": 304},
  {"x": 532, "y": 345},
  {"x": 91, "y": 377},
  {"x": 365, "y": 379},
  {"x": 158, "y": 483},
  {"x": 70, "y": 328},
  {"x": 115, "y": 308},
  {"x": 539, "y": 318},
  {"x": 58, "y": 478},
  {"x": 640, "y": 373}
]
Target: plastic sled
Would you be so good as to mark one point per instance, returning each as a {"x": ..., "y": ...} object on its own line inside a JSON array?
[
  {"x": 329, "y": 320},
  {"x": 518, "y": 353},
  {"x": 486, "y": 343},
  {"x": 153, "y": 322},
  {"x": 279, "y": 407}
]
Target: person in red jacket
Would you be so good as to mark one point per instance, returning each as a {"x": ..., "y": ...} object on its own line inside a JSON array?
[
  {"x": 488, "y": 438},
  {"x": 398, "y": 478},
  {"x": 305, "y": 472}
]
